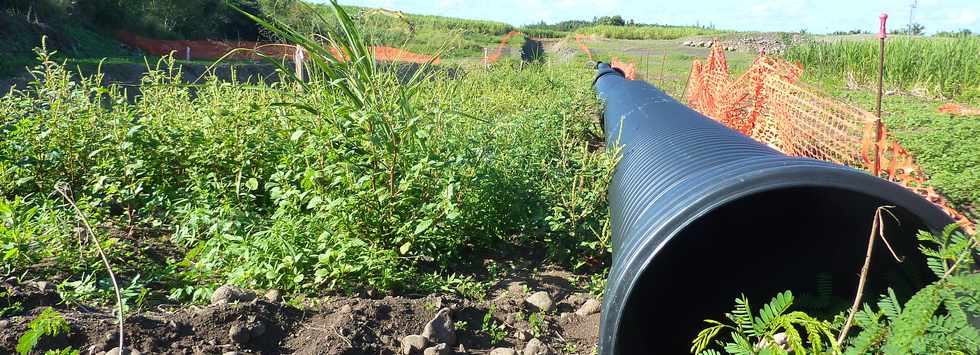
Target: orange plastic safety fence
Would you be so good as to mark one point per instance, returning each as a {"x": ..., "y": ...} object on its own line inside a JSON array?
[
  {"x": 585, "y": 49},
  {"x": 629, "y": 69},
  {"x": 769, "y": 104},
  {"x": 958, "y": 109},
  {"x": 210, "y": 50},
  {"x": 492, "y": 58}
]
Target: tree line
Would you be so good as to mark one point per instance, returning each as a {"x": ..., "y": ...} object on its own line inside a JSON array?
[{"x": 183, "y": 19}]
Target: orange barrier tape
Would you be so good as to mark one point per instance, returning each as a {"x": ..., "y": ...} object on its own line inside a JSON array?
[
  {"x": 769, "y": 104},
  {"x": 492, "y": 58},
  {"x": 582, "y": 46},
  {"x": 210, "y": 50},
  {"x": 629, "y": 69},
  {"x": 958, "y": 109}
]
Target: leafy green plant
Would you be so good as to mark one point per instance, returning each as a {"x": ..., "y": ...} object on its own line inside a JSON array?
[
  {"x": 754, "y": 334},
  {"x": 49, "y": 323},
  {"x": 492, "y": 328},
  {"x": 10, "y": 308},
  {"x": 936, "y": 320},
  {"x": 570, "y": 349},
  {"x": 62, "y": 351},
  {"x": 536, "y": 324}
]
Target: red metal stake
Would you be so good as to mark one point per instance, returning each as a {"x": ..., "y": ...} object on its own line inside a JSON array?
[{"x": 881, "y": 77}]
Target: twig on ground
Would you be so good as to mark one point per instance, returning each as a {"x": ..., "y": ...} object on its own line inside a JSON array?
[{"x": 105, "y": 261}]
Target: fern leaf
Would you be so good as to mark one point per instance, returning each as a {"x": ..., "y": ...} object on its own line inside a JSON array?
[
  {"x": 739, "y": 346},
  {"x": 867, "y": 340},
  {"x": 890, "y": 305},
  {"x": 704, "y": 337},
  {"x": 742, "y": 316},
  {"x": 792, "y": 335},
  {"x": 866, "y": 317},
  {"x": 913, "y": 321},
  {"x": 771, "y": 311}
]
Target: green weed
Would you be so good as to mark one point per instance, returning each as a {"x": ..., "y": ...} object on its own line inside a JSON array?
[
  {"x": 491, "y": 327},
  {"x": 47, "y": 324}
]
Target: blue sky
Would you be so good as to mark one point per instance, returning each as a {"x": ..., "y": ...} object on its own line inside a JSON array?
[{"x": 818, "y": 16}]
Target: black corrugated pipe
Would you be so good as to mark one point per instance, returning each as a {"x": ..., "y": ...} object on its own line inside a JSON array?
[{"x": 701, "y": 213}]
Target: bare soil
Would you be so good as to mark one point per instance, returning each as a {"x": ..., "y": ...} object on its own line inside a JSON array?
[{"x": 327, "y": 325}]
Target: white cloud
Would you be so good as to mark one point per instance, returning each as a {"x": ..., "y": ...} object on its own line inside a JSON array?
[
  {"x": 963, "y": 17},
  {"x": 449, "y": 4}
]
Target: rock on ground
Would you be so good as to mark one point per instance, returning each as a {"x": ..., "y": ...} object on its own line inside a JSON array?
[
  {"x": 239, "y": 334},
  {"x": 440, "y": 328},
  {"x": 273, "y": 296},
  {"x": 115, "y": 351},
  {"x": 503, "y": 351},
  {"x": 438, "y": 349},
  {"x": 229, "y": 294},
  {"x": 413, "y": 344},
  {"x": 536, "y": 347},
  {"x": 590, "y": 307},
  {"x": 541, "y": 301}
]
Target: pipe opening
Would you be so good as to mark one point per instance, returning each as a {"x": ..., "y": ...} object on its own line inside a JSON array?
[{"x": 762, "y": 244}]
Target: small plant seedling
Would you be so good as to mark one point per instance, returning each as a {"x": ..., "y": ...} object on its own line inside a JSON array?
[
  {"x": 536, "y": 323},
  {"x": 49, "y": 323},
  {"x": 495, "y": 330},
  {"x": 461, "y": 325},
  {"x": 10, "y": 308},
  {"x": 570, "y": 349}
]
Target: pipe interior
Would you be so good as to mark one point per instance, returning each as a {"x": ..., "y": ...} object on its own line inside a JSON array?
[{"x": 760, "y": 245}]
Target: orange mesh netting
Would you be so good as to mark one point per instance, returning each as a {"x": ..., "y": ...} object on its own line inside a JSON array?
[
  {"x": 629, "y": 69},
  {"x": 958, "y": 109},
  {"x": 582, "y": 46},
  {"x": 769, "y": 104},
  {"x": 209, "y": 50},
  {"x": 492, "y": 58}
]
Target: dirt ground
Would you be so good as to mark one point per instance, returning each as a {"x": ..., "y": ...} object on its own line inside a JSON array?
[{"x": 328, "y": 325}]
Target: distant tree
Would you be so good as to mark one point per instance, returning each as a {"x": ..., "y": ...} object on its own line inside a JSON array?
[
  {"x": 851, "y": 32},
  {"x": 631, "y": 23},
  {"x": 611, "y": 20},
  {"x": 961, "y": 33},
  {"x": 916, "y": 29}
]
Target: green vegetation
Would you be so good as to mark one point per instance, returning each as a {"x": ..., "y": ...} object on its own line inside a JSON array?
[
  {"x": 429, "y": 34},
  {"x": 647, "y": 31},
  {"x": 347, "y": 182},
  {"x": 497, "y": 331},
  {"x": 936, "y": 320},
  {"x": 940, "y": 66},
  {"x": 749, "y": 331},
  {"x": 47, "y": 324}
]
